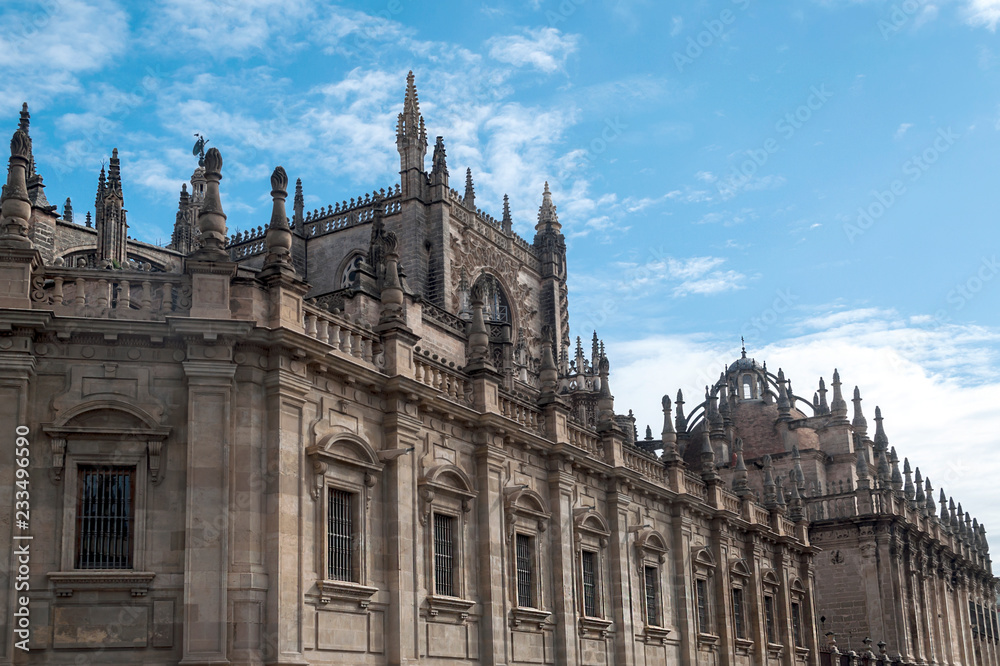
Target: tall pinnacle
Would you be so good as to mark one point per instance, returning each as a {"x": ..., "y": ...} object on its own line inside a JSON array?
[
  {"x": 410, "y": 123},
  {"x": 860, "y": 423},
  {"x": 506, "y": 222},
  {"x": 547, "y": 218},
  {"x": 470, "y": 190}
]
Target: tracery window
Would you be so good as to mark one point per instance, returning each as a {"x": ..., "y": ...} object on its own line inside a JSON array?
[{"x": 496, "y": 308}]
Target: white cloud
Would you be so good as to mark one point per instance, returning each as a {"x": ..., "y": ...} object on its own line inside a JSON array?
[
  {"x": 544, "y": 49},
  {"x": 984, "y": 13},
  {"x": 902, "y": 129},
  {"x": 936, "y": 385}
]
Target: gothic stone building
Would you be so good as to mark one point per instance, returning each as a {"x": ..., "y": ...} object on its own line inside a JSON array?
[{"x": 363, "y": 435}]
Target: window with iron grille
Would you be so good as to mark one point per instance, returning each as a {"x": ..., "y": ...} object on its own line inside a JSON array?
[
  {"x": 525, "y": 552},
  {"x": 972, "y": 616},
  {"x": 738, "y": 623},
  {"x": 796, "y": 624},
  {"x": 588, "y": 563},
  {"x": 993, "y": 614},
  {"x": 769, "y": 618},
  {"x": 340, "y": 535},
  {"x": 444, "y": 555},
  {"x": 701, "y": 592},
  {"x": 104, "y": 517},
  {"x": 652, "y": 575},
  {"x": 982, "y": 625}
]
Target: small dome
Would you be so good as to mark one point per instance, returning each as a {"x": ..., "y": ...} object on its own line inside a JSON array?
[{"x": 744, "y": 363}]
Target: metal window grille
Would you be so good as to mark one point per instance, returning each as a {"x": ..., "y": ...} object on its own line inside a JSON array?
[
  {"x": 525, "y": 548},
  {"x": 444, "y": 555},
  {"x": 986, "y": 621},
  {"x": 701, "y": 591},
  {"x": 993, "y": 613},
  {"x": 589, "y": 565},
  {"x": 982, "y": 625},
  {"x": 104, "y": 517},
  {"x": 340, "y": 535},
  {"x": 769, "y": 618},
  {"x": 796, "y": 625},
  {"x": 652, "y": 576},
  {"x": 972, "y": 616},
  {"x": 738, "y": 612}
]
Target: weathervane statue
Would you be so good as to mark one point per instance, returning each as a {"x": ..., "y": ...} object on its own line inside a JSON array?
[{"x": 199, "y": 149}]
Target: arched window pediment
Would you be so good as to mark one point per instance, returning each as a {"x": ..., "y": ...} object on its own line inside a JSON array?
[
  {"x": 589, "y": 522},
  {"x": 701, "y": 556},
  {"x": 344, "y": 449},
  {"x": 445, "y": 480},
  {"x": 524, "y": 504},
  {"x": 770, "y": 578},
  {"x": 650, "y": 543},
  {"x": 740, "y": 567}
]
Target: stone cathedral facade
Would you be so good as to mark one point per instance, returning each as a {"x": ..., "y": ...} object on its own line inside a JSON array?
[{"x": 363, "y": 435}]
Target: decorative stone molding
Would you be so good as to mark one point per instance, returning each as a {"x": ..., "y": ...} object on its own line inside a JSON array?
[
  {"x": 653, "y": 635},
  {"x": 590, "y": 626},
  {"x": 446, "y": 479},
  {"x": 343, "y": 449},
  {"x": 650, "y": 545},
  {"x": 524, "y": 504},
  {"x": 449, "y": 606},
  {"x": 520, "y": 615},
  {"x": 66, "y": 583},
  {"x": 330, "y": 590}
]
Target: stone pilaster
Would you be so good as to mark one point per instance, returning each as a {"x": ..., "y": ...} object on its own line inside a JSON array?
[
  {"x": 622, "y": 593},
  {"x": 561, "y": 484},
  {"x": 206, "y": 545},
  {"x": 492, "y": 568}
]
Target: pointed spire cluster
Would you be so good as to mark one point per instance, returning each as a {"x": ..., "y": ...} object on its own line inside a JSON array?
[
  {"x": 838, "y": 406},
  {"x": 547, "y": 217},
  {"x": 506, "y": 223},
  {"x": 298, "y": 205},
  {"x": 410, "y": 123},
  {"x": 470, "y": 190},
  {"x": 439, "y": 163}
]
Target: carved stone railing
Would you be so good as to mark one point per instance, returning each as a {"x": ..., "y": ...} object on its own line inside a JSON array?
[
  {"x": 731, "y": 502},
  {"x": 695, "y": 486},
  {"x": 112, "y": 294},
  {"x": 829, "y": 507},
  {"x": 431, "y": 370},
  {"x": 444, "y": 318},
  {"x": 349, "y": 338},
  {"x": 641, "y": 462},
  {"x": 759, "y": 514},
  {"x": 787, "y": 526},
  {"x": 515, "y": 409},
  {"x": 581, "y": 437}
]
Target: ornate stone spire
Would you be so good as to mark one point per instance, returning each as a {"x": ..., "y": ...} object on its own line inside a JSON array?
[
  {"x": 769, "y": 487},
  {"x": 392, "y": 287},
  {"x": 548, "y": 373},
  {"x": 278, "y": 241},
  {"x": 919, "y": 496},
  {"x": 881, "y": 441},
  {"x": 798, "y": 478},
  {"x": 211, "y": 218},
  {"x": 681, "y": 420},
  {"x": 298, "y": 206},
  {"x": 15, "y": 208},
  {"x": 824, "y": 408},
  {"x": 740, "y": 484},
  {"x": 506, "y": 223},
  {"x": 724, "y": 410},
  {"x": 479, "y": 337},
  {"x": 838, "y": 407},
  {"x": 943, "y": 502},
  {"x": 24, "y": 124},
  {"x": 411, "y": 138},
  {"x": 952, "y": 511},
  {"x": 68, "y": 210},
  {"x": 784, "y": 404},
  {"x": 668, "y": 436},
  {"x": 111, "y": 222},
  {"x": 547, "y": 217},
  {"x": 470, "y": 191},
  {"x": 861, "y": 467},
  {"x": 908, "y": 491},
  {"x": 708, "y": 471},
  {"x": 605, "y": 401},
  {"x": 779, "y": 494},
  {"x": 896, "y": 480},
  {"x": 929, "y": 507},
  {"x": 439, "y": 164},
  {"x": 859, "y": 422}
]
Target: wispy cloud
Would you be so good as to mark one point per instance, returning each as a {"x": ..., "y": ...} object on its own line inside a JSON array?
[
  {"x": 984, "y": 13},
  {"x": 544, "y": 49},
  {"x": 902, "y": 130}
]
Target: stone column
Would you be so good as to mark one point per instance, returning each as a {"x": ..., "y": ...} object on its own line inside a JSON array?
[
  {"x": 17, "y": 372},
  {"x": 401, "y": 427},
  {"x": 561, "y": 484},
  {"x": 206, "y": 543},
  {"x": 492, "y": 567},
  {"x": 721, "y": 591},
  {"x": 622, "y": 594},
  {"x": 683, "y": 584}
]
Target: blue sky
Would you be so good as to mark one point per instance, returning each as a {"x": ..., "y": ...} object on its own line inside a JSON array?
[{"x": 816, "y": 175}]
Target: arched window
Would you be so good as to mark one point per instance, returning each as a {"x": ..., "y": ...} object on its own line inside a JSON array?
[
  {"x": 747, "y": 388},
  {"x": 495, "y": 306},
  {"x": 350, "y": 272}
]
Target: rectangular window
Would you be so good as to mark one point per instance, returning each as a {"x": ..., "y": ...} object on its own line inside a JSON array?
[
  {"x": 652, "y": 575},
  {"x": 588, "y": 562},
  {"x": 993, "y": 613},
  {"x": 444, "y": 555},
  {"x": 340, "y": 535},
  {"x": 525, "y": 553},
  {"x": 972, "y": 617},
  {"x": 104, "y": 517},
  {"x": 796, "y": 625},
  {"x": 738, "y": 612},
  {"x": 982, "y": 625},
  {"x": 769, "y": 618},
  {"x": 701, "y": 591}
]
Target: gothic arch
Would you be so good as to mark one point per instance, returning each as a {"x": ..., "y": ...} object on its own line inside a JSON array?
[{"x": 498, "y": 305}]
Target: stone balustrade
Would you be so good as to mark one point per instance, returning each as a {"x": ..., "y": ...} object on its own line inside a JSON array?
[
  {"x": 649, "y": 467},
  {"x": 99, "y": 293},
  {"x": 582, "y": 438},
  {"x": 431, "y": 370},
  {"x": 516, "y": 410},
  {"x": 351, "y": 338}
]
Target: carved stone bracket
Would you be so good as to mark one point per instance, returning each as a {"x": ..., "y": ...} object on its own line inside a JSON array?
[
  {"x": 449, "y": 606},
  {"x": 330, "y": 590},
  {"x": 67, "y": 582},
  {"x": 533, "y": 616},
  {"x": 590, "y": 626},
  {"x": 58, "y": 458}
]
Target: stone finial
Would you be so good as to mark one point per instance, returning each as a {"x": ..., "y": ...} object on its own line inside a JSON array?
[
  {"x": 838, "y": 406},
  {"x": 954, "y": 515},
  {"x": 908, "y": 491},
  {"x": 470, "y": 191},
  {"x": 824, "y": 408},
  {"x": 796, "y": 505},
  {"x": 547, "y": 217},
  {"x": 881, "y": 441},
  {"x": 212, "y": 219},
  {"x": 708, "y": 471},
  {"x": 439, "y": 163},
  {"x": 861, "y": 467},
  {"x": 298, "y": 205},
  {"x": 506, "y": 223},
  {"x": 784, "y": 404},
  {"x": 929, "y": 507},
  {"x": 278, "y": 241},
  {"x": 680, "y": 420},
  {"x": 859, "y": 422},
  {"x": 779, "y": 493},
  {"x": 895, "y": 479},
  {"x": 714, "y": 418},
  {"x": 605, "y": 401},
  {"x": 724, "y": 410},
  {"x": 798, "y": 477},
  {"x": 391, "y": 294},
  {"x": 769, "y": 486},
  {"x": 967, "y": 530},
  {"x": 740, "y": 483},
  {"x": 918, "y": 482},
  {"x": 943, "y": 503},
  {"x": 668, "y": 436},
  {"x": 882, "y": 468},
  {"x": 89, "y": 221},
  {"x": 68, "y": 210},
  {"x": 15, "y": 207}
]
